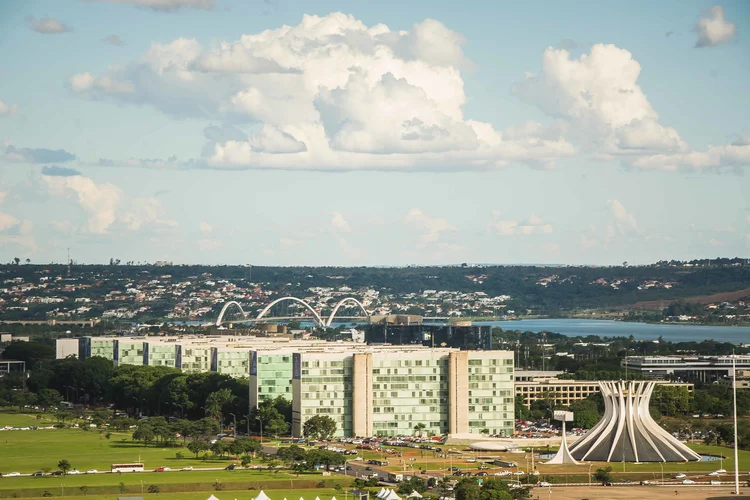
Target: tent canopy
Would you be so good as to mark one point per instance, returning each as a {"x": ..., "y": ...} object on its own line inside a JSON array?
[
  {"x": 261, "y": 496},
  {"x": 414, "y": 494}
]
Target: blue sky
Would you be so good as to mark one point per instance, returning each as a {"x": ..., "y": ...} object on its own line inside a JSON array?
[{"x": 361, "y": 133}]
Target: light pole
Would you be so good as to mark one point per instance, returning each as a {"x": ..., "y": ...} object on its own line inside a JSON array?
[
  {"x": 261, "y": 428},
  {"x": 247, "y": 421},
  {"x": 590, "y": 465},
  {"x": 182, "y": 410},
  {"x": 662, "y": 472},
  {"x": 138, "y": 403},
  {"x": 235, "y": 424}
]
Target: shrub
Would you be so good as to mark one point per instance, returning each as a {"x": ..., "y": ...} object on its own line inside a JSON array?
[
  {"x": 218, "y": 486},
  {"x": 46, "y": 493},
  {"x": 153, "y": 488},
  {"x": 179, "y": 455}
]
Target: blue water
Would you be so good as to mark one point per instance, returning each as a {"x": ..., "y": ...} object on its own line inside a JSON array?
[{"x": 640, "y": 331}]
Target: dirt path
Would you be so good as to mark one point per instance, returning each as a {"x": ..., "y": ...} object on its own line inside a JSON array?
[{"x": 723, "y": 492}]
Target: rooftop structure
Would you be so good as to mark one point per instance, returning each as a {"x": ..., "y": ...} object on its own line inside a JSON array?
[{"x": 704, "y": 368}]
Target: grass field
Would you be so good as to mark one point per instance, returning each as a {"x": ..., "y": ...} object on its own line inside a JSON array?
[
  {"x": 29, "y": 451},
  {"x": 14, "y": 419},
  {"x": 289, "y": 494}
]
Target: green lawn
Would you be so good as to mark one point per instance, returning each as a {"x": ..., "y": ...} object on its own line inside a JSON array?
[
  {"x": 14, "y": 419},
  {"x": 289, "y": 494},
  {"x": 29, "y": 451}
]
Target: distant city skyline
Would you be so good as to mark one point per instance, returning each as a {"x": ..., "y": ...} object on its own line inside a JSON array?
[{"x": 351, "y": 133}]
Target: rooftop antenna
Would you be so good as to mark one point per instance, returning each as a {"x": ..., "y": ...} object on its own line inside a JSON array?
[{"x": 69, "y": 261}]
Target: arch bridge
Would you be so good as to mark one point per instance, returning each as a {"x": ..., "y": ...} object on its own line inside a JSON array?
[{"x": 319, "y": 321}]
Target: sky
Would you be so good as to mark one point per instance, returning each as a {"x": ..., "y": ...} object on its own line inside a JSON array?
[{"x": 290, "y": 132}]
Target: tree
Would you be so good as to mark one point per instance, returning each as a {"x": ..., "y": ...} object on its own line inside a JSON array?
[
  {"x": 467, "y": 489},
  {"x": 144, "y": 432},
  {"x": 319, "y": 427},
  {"x": 216, "y": 401},
  {"x": 419, "y": 428},
  {"x": 494, "y": 489},
  {"x": 220, "y": 448},
  {"x": 197, "y": 447},
  {"x": 64, "y": 466},
  {"x": 414, "y": 484},
  {"x": 30, "y": 352},
  {"x": 603, "y": 475}
]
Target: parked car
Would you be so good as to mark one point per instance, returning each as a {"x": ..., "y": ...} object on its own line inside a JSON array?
[
  {"x": 680, "y": 476},
  {"x": 721, "y": 471},
  {"x": 162, "y": 469},
  {"x": 715, "y": 482},
  {"x": 57, "y": 473},
  {"x": 189, "y": 467},
  {"x": 688, "y": 481},
  {"x": 38, "y": 474},
  {"x": 91, "y": 471},
  {"x": 73, "y": 472},
  {"x": 713, "y": 474},
  {"x": 544, "y": 483},
  {"x": 13, "y": 474},
  {"x": 230, "y": 467}
]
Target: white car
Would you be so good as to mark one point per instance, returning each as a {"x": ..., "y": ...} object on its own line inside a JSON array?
[
  {"x": 715, "y": 483},
  {"x": 187, "y": 468},
  {"x": 73, "y": 472},
  {"x": 713, "y": 474},
  {"x": 13, "y": 474},
  {"x": 721, "y": 471},
  {"x": 688, "y": 481},
  {"x": 519, "y": 473},
  {"x": 92, "y": 471},
  {"x": 544, "y": 483},
  {"x": 680, "y": 475}
]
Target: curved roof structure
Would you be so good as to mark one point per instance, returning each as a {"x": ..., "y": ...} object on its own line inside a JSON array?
[{"x": 627, "y": 432}]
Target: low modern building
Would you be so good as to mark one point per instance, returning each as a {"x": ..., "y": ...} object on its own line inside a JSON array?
[
  {"x": 563, "y": 392},
  {"x": 704, "y": 368},
  {"x": 742, "y": 380}
]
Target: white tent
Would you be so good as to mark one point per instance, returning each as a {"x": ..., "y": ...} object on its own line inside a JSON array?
[
  {"x": 414, "y": 494},
  {"x": 261, "y": 496},
  {"x": 392, "y": 496},
  {"x": 382, "y": 493},
  {"x": 212, "y": 498}
]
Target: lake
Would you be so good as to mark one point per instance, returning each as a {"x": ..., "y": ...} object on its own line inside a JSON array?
[{"x": 641, "y": 331}]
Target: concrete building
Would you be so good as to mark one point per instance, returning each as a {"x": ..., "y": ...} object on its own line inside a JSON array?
[
  {"x": 537, "y": 385},
  {"x": 388, "y": 390},
  {"x": 743, "y": 380},
  {"x": 368, "y": 390},
  {"x": 704, "y": 368}
]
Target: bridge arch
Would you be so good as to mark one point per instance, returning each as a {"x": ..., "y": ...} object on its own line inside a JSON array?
[
  {"x": 224, "y": 310},
  {"x": 265, "y": 310},
  {"x": 342, "y": 302}
]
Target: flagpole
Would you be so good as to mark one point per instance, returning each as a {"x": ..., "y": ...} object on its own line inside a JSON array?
[{"x": 734, "y": 402}]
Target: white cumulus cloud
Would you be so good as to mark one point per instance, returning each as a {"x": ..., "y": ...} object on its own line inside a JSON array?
[
  {"x": 623, "y": 222},
  {"x": 534, "y": 224},
  {"x": 339, "y": 223},
  {"x": 328, "y": 93},
  {"x": 7, "y": 221},
  {"x": 430, "y": 227},
  {"x": 99, "y": 201},
  {"x": 8, "y": 109},
  {"x": 713, "y": 29},
  {"x": 47, "y": 25}
]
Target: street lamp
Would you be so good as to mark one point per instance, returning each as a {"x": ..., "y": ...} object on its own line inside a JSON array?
[
  {"x": 182, "y": 410},
  {"x": 138, "y": 404},
  {"x": 590, "y": 465},
  {"x": 247, "y": 421},
  {"x": 261, "y": 428},
  {"x": 235, "y": 424},
  {"x": 662, "y": 472}
]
